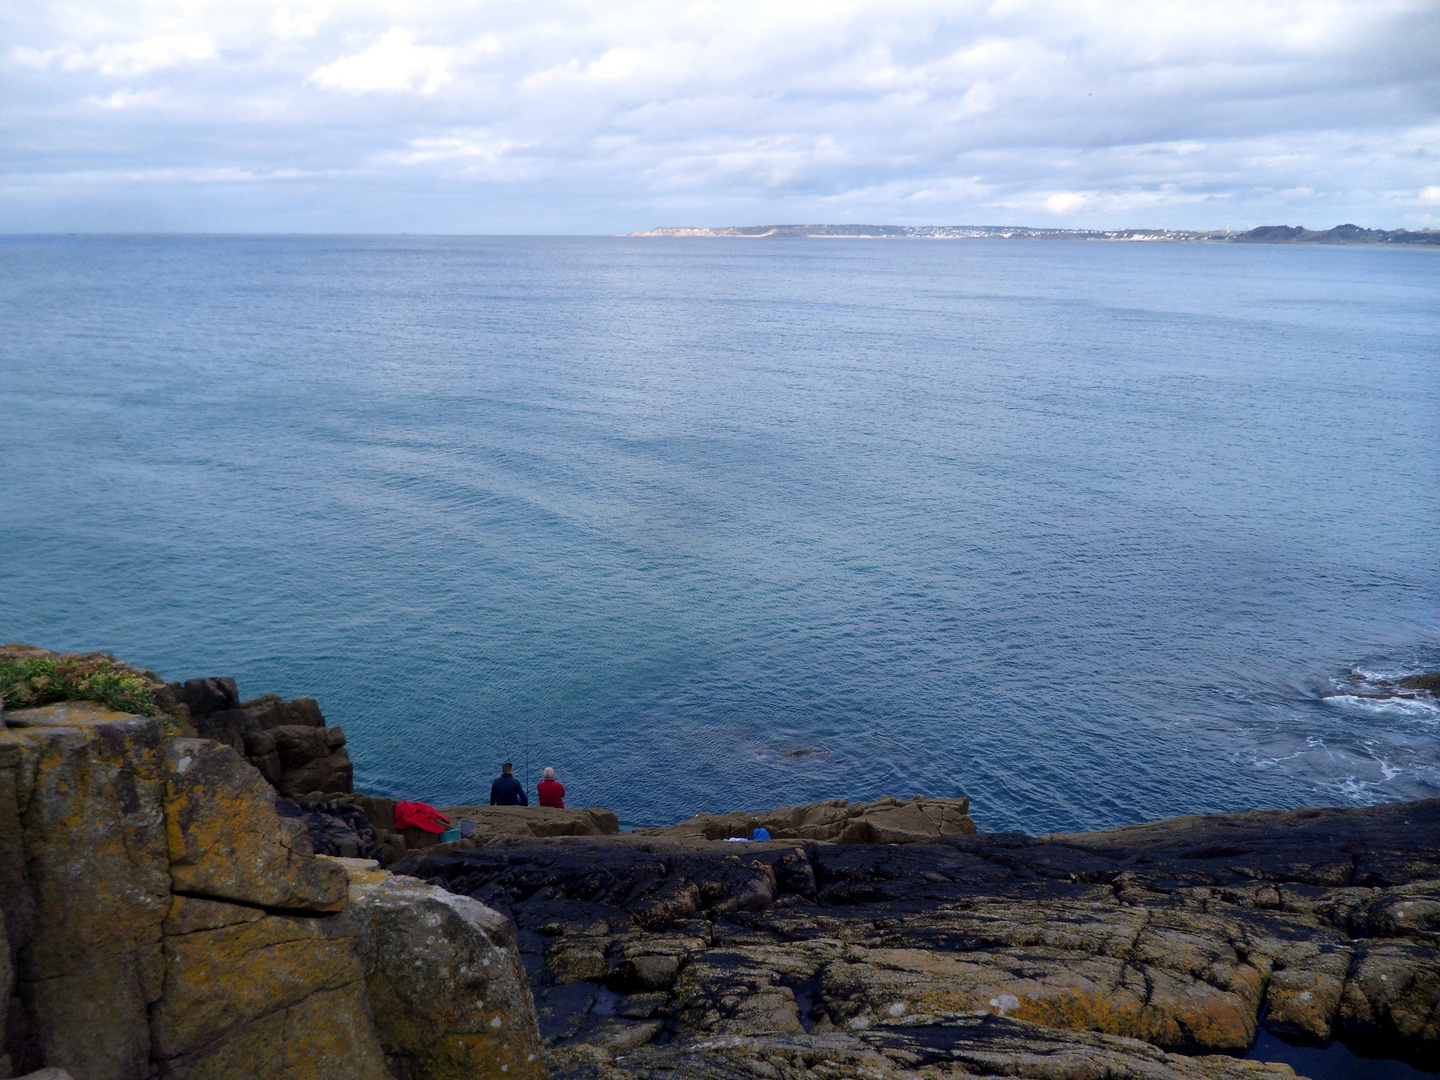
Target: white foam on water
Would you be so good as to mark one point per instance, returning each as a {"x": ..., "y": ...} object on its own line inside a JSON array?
[{"x": 1417, "y": 707}]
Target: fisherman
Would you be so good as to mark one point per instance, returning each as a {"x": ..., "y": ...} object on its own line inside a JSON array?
[
  {"x": 552, "y": 791},
  {"x": 506, "y": 790}
]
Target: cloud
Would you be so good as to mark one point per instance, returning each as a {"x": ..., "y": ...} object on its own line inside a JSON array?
[
  {"x": 1065, "y": 202},
  {"x": 288, "y": 25},
  {"x": 140, "y": 57},
  {"x": 613, "y": 115},
  {"x": 123, "y": 58},
  {"x": 129, "y": 99},
  {"x": 1430, "y": 196},
  {"x": 393, "y": 63}
]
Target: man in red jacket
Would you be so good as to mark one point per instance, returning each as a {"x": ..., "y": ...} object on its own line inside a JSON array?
[{"x": 552, "y": 791}]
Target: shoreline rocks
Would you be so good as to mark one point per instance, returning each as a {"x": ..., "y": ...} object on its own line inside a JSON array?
[
  {"x": 887, "y": 820},
  {"x": 1179, "y": 937}
]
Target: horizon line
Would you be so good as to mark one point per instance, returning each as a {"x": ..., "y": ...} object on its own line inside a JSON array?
[{"x": 795, "y": 230}]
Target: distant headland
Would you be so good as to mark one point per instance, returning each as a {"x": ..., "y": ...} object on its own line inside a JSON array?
[{"x": 1265, "y": 234}]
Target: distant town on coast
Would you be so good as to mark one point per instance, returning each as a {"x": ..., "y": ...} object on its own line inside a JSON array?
[{"x": 1265, "y": 234}]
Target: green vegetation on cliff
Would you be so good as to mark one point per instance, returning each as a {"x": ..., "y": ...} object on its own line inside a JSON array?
[{"x": 30, "y": 677}]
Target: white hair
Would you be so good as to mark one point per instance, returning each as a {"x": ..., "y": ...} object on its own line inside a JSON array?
[{"x": 549, "y": 774}]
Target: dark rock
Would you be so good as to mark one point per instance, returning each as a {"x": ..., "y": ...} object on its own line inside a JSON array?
[
  {"x": 563, "y": 1009},
  {"x": 287, "y": 741},
  {"x": 1180, "y": 934},
  {"x": 273, "y": 711},
  {"x": 205, "y": 696},
  {"x": 1428, "y": 681},
  {"x": 311, "y": 759},
  {"x": 298, "y": 746},
  {"x": 335, "y": 828},
  {"x": 224, "y": 726},
  {"x": 378, "y": 810}
]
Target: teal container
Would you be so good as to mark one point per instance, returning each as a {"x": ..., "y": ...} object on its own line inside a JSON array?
[{"x": 448, "y": 835}]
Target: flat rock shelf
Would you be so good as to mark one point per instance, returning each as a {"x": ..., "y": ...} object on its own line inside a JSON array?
[{"x": 1154, "y": 951}]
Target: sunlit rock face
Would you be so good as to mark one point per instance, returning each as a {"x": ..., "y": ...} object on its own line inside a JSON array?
[
  {"x": 163, "y": 920},
  {"x": 87, "y": 883}
]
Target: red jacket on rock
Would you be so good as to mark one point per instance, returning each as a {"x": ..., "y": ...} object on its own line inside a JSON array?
[
  {"x": 419, "y": 815},
  {"x": 552, "y": 793}
]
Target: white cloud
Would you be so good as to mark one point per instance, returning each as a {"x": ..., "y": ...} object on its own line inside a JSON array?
[
  {"x": 472, "y": 151},
  {"x": 1430, "y": 196},
  {"x": 129, "y": 99},
  {"x": 122, "y": 58},
  {"x": 288, "y": 25},
  {"x": 141, "y": 57},
  {"x": 1067, "y": 202},
  {"x": 393, "y": 62}
]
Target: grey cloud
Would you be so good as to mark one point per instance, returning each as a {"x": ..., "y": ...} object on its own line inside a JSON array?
[{"x": 553, "y": 117}]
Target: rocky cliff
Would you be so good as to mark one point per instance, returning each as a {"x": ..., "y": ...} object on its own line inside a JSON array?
[
  {"x": 164, "y": 920},
  {"x": 287, "y": 741}
]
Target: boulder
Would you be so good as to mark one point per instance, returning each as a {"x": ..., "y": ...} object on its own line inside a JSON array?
[
  {"x": 378, "y": 810},
  {"x": 85, "y": 785},
  {"x": 326, "y": 1036},
  {"x": 299, "y": 745},
  {"x": 445, "y": 981},
  {"x": 261, "y": 751},
  {"x": 18, "y": 759},
  {"x": 1305, "y": 989},
  {"x": 1393, "y": 993},
  {"x": 161, "y": 919},
  {"x": 226, "y": 840}
]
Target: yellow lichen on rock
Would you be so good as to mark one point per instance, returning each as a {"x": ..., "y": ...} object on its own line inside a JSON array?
[
  {"x": 166, "y": 921},
  {"x": 227, "y": 841},
  {"x": 887, "y": 820},
  {"x": 326, "y": 1036},
  {"x": 85, "y": 785},
  {"x": 219, "y": 981}
]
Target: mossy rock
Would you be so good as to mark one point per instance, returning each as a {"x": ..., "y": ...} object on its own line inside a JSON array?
[{"x": 30, "y": 677}]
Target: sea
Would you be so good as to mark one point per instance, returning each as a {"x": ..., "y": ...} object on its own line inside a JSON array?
[{"x": 1093, "y": 533}]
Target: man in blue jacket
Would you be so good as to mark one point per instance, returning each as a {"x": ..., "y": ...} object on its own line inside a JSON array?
[{"x": 506, "y": 790}]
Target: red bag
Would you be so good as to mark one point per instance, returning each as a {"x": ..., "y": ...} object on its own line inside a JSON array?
[{"x": 419, "y": 815}]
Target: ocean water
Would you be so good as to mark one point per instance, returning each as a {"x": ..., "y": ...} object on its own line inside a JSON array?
[{"x": 1094, "y": 533}]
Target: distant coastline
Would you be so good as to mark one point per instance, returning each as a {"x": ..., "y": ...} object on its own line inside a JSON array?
[{"x": 1265, "y": 234}]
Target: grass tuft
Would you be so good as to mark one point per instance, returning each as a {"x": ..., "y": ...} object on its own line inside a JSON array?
[{"x": 30, "y": 677}]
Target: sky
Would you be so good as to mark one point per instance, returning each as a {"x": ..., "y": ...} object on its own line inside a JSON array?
[{"x": 546, "y": 116}]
